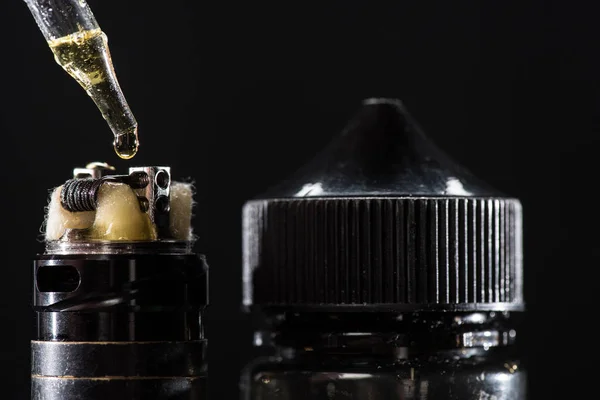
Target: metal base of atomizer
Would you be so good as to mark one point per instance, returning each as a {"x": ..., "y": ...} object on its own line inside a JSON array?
[
  {"x": 119, "y": 320},
  {"x": 119, "y": 326}
]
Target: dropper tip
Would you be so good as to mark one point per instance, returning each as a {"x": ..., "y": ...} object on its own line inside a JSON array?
[{"x": 126, "y": 144}]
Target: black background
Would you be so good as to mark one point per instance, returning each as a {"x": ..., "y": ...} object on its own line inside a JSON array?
[{"x": 238, "y": 95}]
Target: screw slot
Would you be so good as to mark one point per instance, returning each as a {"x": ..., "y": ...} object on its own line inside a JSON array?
[
  {"x": 162, "y": 179},
  {"x": 162, "y": 204}
]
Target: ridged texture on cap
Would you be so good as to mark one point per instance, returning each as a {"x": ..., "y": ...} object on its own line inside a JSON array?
[
  {"x": 382, "y": 217},
  {"x": 393, "y": 251}
]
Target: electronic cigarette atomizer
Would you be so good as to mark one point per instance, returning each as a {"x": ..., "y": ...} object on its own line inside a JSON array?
[
  {"x": 383, "y": 270},
  {"x": 119, "y": 295}
]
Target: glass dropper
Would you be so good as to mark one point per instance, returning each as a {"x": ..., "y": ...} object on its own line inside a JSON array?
[{"x": 81, "y": 48}]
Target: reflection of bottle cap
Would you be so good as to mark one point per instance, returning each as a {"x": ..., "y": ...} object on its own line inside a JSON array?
[{"x": 382, "y": 218}]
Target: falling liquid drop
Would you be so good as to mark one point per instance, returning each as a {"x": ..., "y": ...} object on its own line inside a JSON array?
[{"x": 126, "y": 145}]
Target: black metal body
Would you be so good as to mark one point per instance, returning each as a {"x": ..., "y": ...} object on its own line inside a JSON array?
[
  {"x": 119, "y": 327},
  {"x": 388, "y": 355}
]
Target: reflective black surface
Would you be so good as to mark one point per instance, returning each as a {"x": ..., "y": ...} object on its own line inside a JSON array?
[
  {"x": 391, "y": 356},
  {"x": 105, "y": 326},
  {"x": 114, "y": 359},
  {"x": 370, "y": 263},
  {"x": 122, "y": 388},
  {"x": 382, "y": 151},
  {"x": 121, "y": 297},
  {"x": 383, "y": 218},
  {"x": 119, "y": 326},
  {"x": 401, "y": 382}
]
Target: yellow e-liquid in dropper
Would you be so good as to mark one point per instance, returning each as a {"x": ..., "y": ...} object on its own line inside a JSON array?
[{"x": 81, "y": 48}]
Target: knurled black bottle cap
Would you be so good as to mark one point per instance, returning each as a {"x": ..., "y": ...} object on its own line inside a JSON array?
[{"x": 382, "y": 219}]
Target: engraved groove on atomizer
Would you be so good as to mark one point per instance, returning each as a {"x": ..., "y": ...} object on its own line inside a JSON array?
[
  {"x": 497, "y": 249},
  {"x": 310, "y": 280},
  {"x": 329, "y": 284},
  {"x": 405, "y": 229},
  {"x": 505, "y": 253},
  {"x": 399, "y": 255},
  {"x": 309, "y": 243},
  {"x": 280, "y": 240},
  {"x": 260, "y": 213},
  {"x": 363, "y": 218},
  {"x": 251, "y": 247},
  {"x": 485, "y": 241},
  {"x": 273, "y": 250},
  {"x": 306, "y": 223},
  {"x": 519, "y": 253},
  {"x": 464, "y": 229},
  {"x": 367, "y": 265},
  {"x": 496, "y": 252},
  {"x": 360, "y": 251},
  {"x": 435, "y": 253},
  {"x": 377, "y": 290},
  {"x": 302, "y": 290},
  {"x": 363, "y": 251},
  {"x": 481, "y": 251},
  {"x": 410, "y": 251},
  {"x": 307, "y": 274},
  {"x": 440, "y": 265},
  {"x": 451, "y": 239},
  {"x": 510, "y": 257},
  {"x": 294, "y": 273},
  {"x": 334, "y": 213},
  {"x": 432, "y": 250},
  {"x": 483, "y": 273},
  {"x": 516, "y": 223},
  {"x": 313, "y": 279},
  {"x": 322, "y": 273},
  {"x": 385, "y": 250},
  {"x": 455, "y": 240},
  {"x": 376, "y": 255},
  {"x": 422, "y": 277},
  {"x": 329, "y": 243},
  {"x": 473, "y": 250},
  {"x": 374, "y": 295},
  {"x": 489, "y": 240},
  {"x": 443, "y": 239},
  {"x": 388, "y": 251},
  {"x": 325, "y": 245},
  {"x": 513, "y": 249},
  {"x": 492, "y": 246},
  {"x": 502, "y": 230},
  {"x": 491, "y": 252},
  {"x": 345, "y": 250},
  {"x": 503, "y": 263},
  {"x": 355, "y": 287},
  {"x": 338, "y": 290},
  {"x": 287, "y": 254}
]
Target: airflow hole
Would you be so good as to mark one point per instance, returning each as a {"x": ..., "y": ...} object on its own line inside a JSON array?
[{"x": 58, "y": 278}]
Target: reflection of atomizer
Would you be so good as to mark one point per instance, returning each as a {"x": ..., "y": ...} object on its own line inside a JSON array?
[
  {"x": 118, "y": 293},
  {"x": 384, "y": 271},
  {"x": 81, "y": 48}
]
